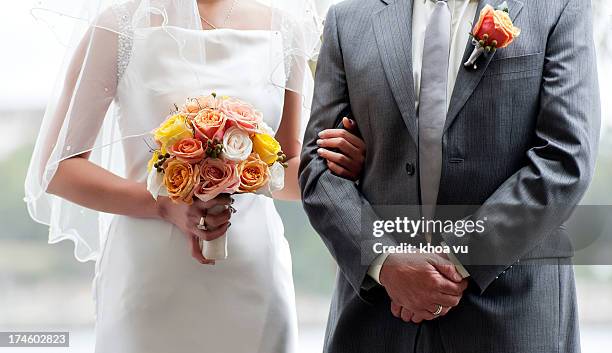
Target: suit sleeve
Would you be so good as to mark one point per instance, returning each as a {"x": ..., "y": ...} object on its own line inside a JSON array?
[
  {"x": 335, "y": 206},
  {"x": 537, "y": 199}
]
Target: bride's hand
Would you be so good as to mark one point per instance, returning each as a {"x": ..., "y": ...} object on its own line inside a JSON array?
[
  {"x": 343, "y": 150},
  {"x": 187, "y": 218}
]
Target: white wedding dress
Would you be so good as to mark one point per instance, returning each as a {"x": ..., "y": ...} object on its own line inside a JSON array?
[{"x": 151, "y": 295}]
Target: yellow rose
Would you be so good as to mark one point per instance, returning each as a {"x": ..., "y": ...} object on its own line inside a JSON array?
[
  {"x": 174, "y": 129},
  {"x": 266, "y": 147}
]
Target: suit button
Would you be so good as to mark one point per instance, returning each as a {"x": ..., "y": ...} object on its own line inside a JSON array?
[{"x": 410, "y": 169}]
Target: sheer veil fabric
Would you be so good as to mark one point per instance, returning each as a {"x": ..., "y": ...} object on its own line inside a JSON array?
[{"x": 83, "y": 115}]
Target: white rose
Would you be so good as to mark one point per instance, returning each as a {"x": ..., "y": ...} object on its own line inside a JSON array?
[
  {"x": 277, "y": 177},
  {"x": 237, "y": 145},
  {"x": 266, "y": 129},
  {"x": 276, "y": 181}
]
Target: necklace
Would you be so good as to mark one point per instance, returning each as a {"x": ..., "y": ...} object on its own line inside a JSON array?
[{"x": 227, "y": 17}]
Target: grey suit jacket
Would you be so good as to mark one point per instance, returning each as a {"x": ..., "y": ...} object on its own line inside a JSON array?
[{"x": 519, "y": 144}]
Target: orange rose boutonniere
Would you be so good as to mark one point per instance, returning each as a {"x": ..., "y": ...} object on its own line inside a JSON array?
[{"x": 494, "y": 30}]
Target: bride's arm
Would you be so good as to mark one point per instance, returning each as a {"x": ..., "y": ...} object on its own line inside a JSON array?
[
  {"x": 343, "y": 150},
  {"x": 288, "y": 136},
  {"x": 88, "y": 90},
  {"x": 82, "y": 182}
]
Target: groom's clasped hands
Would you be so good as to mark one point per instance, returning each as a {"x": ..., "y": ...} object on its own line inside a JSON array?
[{"x": 421, "y": 286}]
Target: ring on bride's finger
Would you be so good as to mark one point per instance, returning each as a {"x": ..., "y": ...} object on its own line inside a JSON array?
[
  {"x": 438, "y": 310},
  {"x": 202, "y": 224}
]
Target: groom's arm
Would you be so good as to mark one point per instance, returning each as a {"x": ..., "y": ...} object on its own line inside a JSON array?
[
  {"x": 537, "y": 199},
  {"x": 336, "y": 208}
]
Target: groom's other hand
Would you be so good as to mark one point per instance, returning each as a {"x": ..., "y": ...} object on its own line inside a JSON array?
[{"x": 418, "y": 283}]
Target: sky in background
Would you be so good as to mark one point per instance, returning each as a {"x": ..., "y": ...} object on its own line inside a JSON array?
[
  {"x": 30, "y": 59},
  {"x": 32, "y": 54}
]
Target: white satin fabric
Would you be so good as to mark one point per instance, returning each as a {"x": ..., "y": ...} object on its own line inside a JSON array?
[{"x": 151, "y": 296}]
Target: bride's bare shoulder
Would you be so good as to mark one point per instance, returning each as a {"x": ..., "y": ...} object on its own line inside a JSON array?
[{"x": 253, "y": 14}]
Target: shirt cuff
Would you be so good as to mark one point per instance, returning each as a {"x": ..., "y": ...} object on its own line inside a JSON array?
[
  {"x": 462, "y": 271},
  {"x": 376, "y": 266}
]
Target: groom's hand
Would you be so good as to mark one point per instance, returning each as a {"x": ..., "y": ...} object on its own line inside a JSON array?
[{"x": 419, "y": 283}]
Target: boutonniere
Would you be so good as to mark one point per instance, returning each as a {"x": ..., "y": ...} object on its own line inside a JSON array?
[{"x": 493, "y": 31}]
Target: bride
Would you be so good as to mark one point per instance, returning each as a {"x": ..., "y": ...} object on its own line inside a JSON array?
[{"x": 132, "y": 62}]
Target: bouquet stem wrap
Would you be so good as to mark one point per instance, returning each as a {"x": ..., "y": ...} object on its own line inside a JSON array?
[{"x": 215, "y": 249}]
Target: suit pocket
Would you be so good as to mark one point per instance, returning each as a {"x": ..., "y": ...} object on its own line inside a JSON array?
[{"x": 516, "y": 66}]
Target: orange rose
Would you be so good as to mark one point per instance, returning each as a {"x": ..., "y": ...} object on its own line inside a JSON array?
[
  {"x": 181, "y": 179},
  {"x": 254, "y": 174},
  {"x": 194, "y": 105},
  {"x": 188, "y": 150},
  {"x": 495, "y": 28},
  {"x": 209, "y": 124}
]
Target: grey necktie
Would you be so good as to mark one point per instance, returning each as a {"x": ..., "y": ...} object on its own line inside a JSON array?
[{"x": 433, "y": 104}]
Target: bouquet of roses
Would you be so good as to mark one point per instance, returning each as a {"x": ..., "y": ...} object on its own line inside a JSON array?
[{"x": 210, "y": 146}]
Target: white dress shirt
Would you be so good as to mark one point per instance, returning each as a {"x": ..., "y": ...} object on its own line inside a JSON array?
[{"x": 462, "y": 16}]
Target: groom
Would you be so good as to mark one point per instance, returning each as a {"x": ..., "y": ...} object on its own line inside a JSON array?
[{"x": 509, "y": 141}]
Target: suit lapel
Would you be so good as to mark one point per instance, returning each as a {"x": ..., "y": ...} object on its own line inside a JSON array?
[
  {"x": 393, "y": 30},
  {"x": 468, "y": 79}
]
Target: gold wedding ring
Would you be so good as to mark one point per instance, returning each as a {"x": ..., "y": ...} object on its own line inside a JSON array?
[{"x": 438, "y": 310}]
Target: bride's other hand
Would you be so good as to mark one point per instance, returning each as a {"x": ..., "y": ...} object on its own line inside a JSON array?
[
  {"x": 343, "y": 150},
  {"x": 187, "y": 218}
]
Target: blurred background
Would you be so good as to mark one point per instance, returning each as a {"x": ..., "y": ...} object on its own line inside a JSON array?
[{"x": 42, "y": 287}]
